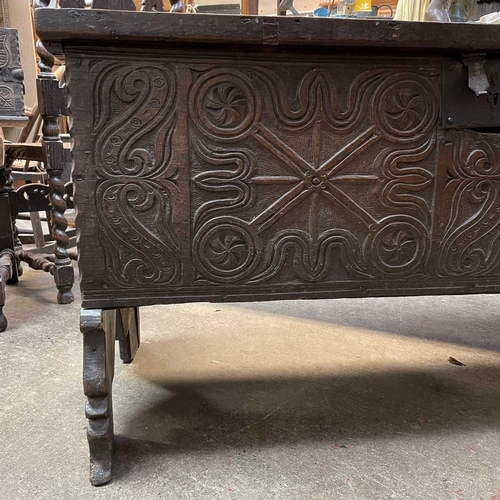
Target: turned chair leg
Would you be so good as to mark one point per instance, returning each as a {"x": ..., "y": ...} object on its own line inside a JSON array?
[
  {"x": 8, "y": 267},
  {"x": 99, "y": 332},
  {"x": 128, "y": 333},
  {"x": 50, "y": 104},
  {"x": 8, "y": 186},
  {"x": 7, "y": 263},
  {"x": 64, "y": 276}
]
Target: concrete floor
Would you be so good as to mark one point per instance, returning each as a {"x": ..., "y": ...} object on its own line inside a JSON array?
[{"x": 341, "y": 399}]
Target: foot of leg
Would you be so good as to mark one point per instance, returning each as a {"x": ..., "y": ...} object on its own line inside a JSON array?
[
  {"x": 128, "y": 333},
  {"x": 64, "y": 278},
  {"x": 3, "y": 321},
  {"x": 7, "y": 262},
  {"x": 99, "y": 330}
]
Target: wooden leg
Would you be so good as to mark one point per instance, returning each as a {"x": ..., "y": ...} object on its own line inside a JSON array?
[
  {"x": 128, "y": 333},
  {"x": 99, "y": 331},
  {"x": 9, "y": 270},
  {"x": 49, "y": 102},
  {"x": 7, "y": 263},
  {"x": 9, "y": 187}
]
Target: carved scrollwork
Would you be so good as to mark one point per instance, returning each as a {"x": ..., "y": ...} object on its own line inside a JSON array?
[
  {"x": 471, "y": 241},
  {"x": 6, "y": 98},
  {"x": 299, "y": 201},
  {"x": 225, "y": 172},
  {"x": 134, "y": 122},
  {"x": 318, "y": 89},
  {"x": 5, "y": 51},
  {"x": 134, "y": 119},
  {"x": 137, "y": 235},
  {"x": 312, "y": 260}
]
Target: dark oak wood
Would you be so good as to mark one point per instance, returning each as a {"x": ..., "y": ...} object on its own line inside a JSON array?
[
  {"x": 269, "y": 162},
  {"x": 128, "y": 333},
  {"x": 50, "y": 104},
  {"x": 75, "y": 24},
  {"x": 7, "y": 264},
  {"x": 265, "y": 187},
  {"x": 99, "y": 329}
]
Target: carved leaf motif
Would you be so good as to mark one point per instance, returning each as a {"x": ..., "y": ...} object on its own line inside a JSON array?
[
  {"x": 4, "y": 51},
  {"x": 136, "y": 233},
  {"x": 134, "y": 119},
  {"x": 471, "y": 241}
]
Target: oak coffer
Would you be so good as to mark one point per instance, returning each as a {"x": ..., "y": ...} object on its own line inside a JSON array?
[{"x": 247, "y": 158}]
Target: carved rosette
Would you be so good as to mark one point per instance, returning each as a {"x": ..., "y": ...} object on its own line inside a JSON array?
[
  {"x": 299, "y": 212},
  {"x": 229, "y": 249},
  {"x": 405, "y": 108},
  {"x": 225, "y": 105},
  {"x": 399, "y": 246},
  {"x": 134, "y": 121}
]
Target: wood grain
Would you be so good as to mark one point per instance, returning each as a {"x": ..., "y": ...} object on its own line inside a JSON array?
[
  {"x": 72, "y": 25},
  {"x": 99, "y": 328}
]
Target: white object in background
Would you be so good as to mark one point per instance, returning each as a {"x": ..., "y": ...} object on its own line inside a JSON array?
[
  {"x": 492, "y": 18},
  {"x": 411, "y": 10}
]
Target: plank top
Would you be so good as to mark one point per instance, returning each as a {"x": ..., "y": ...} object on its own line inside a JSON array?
[{"x": 74, "y": 25}]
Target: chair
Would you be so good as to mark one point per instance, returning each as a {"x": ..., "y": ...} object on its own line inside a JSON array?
[{"x": 33, "y": 197}]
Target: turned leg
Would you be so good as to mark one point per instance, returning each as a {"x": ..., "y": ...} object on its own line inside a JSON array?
[
  {"x": 63, "y": 271},
  {"x": 7, "y": 256},
  {"x": 128, "y": 333},
  {"x": 99, "y": 331},
  {"x": 50, "y": 102},
  {"x": 7, "y": 263},
  {"x": 9, "y": 186},
  {"x": 7, "y": 245}
]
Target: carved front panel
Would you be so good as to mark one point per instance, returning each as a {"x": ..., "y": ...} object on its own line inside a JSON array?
[
  {"x": 133, "y": 123},
  {"x": 210, "y": 179},
  {"x": 313, "y": 174}
]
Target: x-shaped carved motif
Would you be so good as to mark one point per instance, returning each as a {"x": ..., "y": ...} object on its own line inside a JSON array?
[{"x": 308, "y": 179}]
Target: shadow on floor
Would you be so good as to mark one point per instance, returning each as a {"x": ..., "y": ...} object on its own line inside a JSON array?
[{"x": 337, "y": 410}]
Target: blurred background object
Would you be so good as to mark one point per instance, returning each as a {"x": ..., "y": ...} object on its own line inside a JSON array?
[{"x": 411, "y": 10}]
